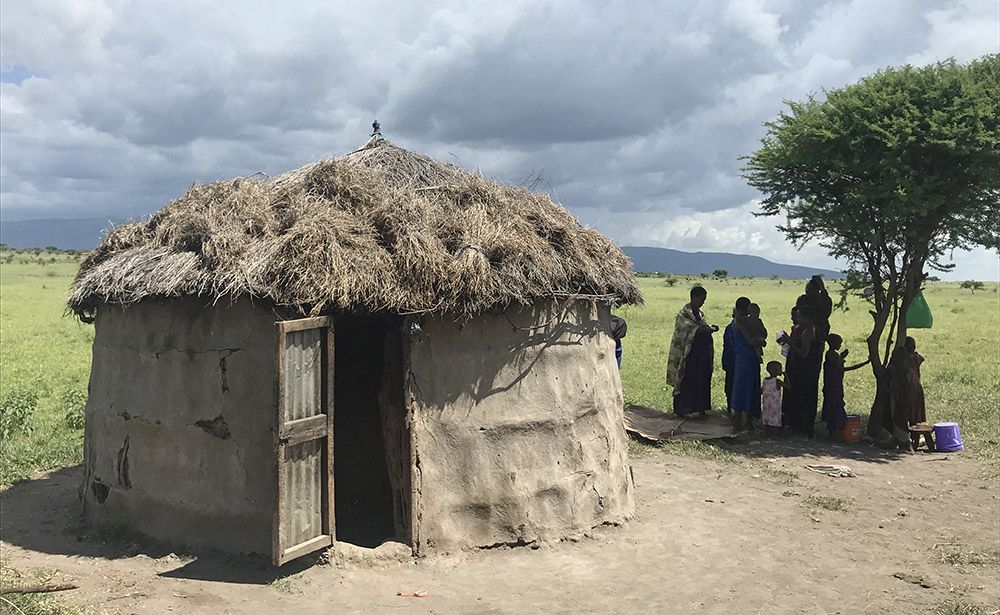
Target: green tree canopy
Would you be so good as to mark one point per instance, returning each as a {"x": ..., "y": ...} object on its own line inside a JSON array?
[
  {"x": 888, "y": 174},
  {"x": 907, "y": 157}
]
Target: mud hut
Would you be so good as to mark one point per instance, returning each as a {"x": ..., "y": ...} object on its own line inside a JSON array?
[{"x": 376, "y": 346}]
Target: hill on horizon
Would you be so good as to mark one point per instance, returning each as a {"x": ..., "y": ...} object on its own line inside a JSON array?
[
  {"x": 86, "y": 233},
  {"x": 62, "y": 233},
  {"x": 665, "y": 260}
]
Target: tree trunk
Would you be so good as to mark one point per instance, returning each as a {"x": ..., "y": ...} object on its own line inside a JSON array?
[
  {"x": 880, "y": 405},
  {"x": 882, "y": 417}
]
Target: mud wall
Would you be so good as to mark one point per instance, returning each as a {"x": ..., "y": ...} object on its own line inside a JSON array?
[
  {"x": 516, "y": 425},
  {"x": 180, "y": 419}
]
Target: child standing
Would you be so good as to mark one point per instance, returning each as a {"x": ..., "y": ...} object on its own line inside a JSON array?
[
  {"x": 834, "y": 413},
  {"x": 618, "y": 330},
  {"x": 906, "y": 393},
  {"x": 770, "y": 391}
]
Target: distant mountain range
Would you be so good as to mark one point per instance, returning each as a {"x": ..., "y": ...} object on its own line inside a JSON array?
[
  {"x": 85, "y": 234},
  {"x": 647, "y": 260}
]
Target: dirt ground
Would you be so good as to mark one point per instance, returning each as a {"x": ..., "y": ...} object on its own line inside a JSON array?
[{"x": 763, "y": 535}]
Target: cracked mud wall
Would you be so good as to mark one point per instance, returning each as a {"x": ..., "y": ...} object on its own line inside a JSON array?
[
  {"x": 516, "y": 427},
  {"x": 178, "y": 442}
]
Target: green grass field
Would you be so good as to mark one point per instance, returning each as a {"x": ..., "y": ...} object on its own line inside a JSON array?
[{"x": 45, "y": 353}]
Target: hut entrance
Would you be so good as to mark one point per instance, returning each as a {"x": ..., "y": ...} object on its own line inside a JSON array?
[
  {"x": 371, "y": 455},
  {"x": 341, "y": 395}
]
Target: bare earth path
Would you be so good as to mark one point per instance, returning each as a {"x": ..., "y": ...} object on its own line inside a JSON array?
[{"x": 757, "y": 536}]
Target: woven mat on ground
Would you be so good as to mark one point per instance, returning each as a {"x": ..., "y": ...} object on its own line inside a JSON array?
[{"x": 652, "y": 424}]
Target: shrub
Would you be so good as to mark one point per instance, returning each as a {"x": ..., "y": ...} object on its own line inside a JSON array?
[
  {"x": 74, "y": 402},
  {"x": 16, "y": 408}
]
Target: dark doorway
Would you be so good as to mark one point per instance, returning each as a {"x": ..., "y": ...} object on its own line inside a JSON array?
[{"x": 365, "y": 389}]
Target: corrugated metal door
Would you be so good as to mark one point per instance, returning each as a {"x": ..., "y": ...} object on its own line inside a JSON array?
[{"x": 303, "y": 515}]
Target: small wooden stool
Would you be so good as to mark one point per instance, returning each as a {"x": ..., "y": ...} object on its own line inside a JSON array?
[{"x": 925, "y": 430}]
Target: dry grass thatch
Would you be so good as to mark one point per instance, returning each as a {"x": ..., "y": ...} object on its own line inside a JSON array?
[{"x": 378, "y": 229}]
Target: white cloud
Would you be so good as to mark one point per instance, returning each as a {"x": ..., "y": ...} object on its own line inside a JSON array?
[
  {"x": 734, "y": 230},
  {"x": 57, "y": 34},
  {"x": 760, "y": 25},
  {"x": 967, "y": 30},
  {"x": 977, "y": 264}
]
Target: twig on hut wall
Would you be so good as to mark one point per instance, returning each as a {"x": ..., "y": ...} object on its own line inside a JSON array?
[
  {"x": 541, "y": 325},
  {"x": 435, "y": 308},
  {"x": 559, "y": 313},
  {"x": 585, "y": 296}
]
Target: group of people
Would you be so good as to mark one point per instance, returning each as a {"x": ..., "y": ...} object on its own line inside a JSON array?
[{"x": 788, "y": 397}]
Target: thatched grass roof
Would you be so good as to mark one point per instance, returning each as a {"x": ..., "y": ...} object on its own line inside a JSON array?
[{"x": 379, "y": 229}]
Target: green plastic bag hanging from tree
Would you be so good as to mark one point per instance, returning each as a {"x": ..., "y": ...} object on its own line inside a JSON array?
[{"x": 918, "y": 316}]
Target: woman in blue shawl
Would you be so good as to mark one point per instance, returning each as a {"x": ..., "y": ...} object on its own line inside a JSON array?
[{"x": 744, "y": 400}]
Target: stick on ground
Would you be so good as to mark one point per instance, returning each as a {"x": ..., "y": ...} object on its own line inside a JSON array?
[{"x": 37, "y": 589}]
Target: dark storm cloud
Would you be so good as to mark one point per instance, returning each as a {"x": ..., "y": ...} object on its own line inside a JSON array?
[
  {"x": 636, "y": 114},
  {"x": 568, "y": 78}
]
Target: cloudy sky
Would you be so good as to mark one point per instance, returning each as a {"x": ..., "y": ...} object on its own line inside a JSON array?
[{"x": 635, "y": 114}]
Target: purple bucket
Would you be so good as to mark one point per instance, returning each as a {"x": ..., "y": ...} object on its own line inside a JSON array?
[{"x": 947, "y": 437}]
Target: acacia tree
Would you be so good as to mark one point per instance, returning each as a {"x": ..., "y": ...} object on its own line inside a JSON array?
[
  {"x": 888, "y": 174},
  {"x": 972, "y": 285}
]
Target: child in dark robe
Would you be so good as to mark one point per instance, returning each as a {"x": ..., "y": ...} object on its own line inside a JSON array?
[
  {"x": 834, "y": 413},
  {"x": 618, "y": 330},
  {"x": 906, "y": 392}
]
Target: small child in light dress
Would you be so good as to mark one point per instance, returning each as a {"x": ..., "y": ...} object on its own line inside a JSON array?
[{"x": 770, "y": 391}]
